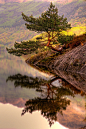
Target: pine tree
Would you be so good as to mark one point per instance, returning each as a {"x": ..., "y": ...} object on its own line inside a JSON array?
[{"x": 49, "y": 22}]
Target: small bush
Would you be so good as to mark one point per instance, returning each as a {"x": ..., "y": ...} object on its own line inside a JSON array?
[
  {"x": 77, "y": 40},
  {"x": 39, "y": 38},
  {"x": 64, "y": 39}
]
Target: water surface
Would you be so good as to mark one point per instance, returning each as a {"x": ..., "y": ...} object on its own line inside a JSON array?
[{"x": 32, "y": 99}]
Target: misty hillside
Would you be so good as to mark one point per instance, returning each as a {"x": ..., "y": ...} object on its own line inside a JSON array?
[
  {"x": 10, "y": 13},
  {"x": 75, "y": 12},
  {"x": 20, "y": 1}
]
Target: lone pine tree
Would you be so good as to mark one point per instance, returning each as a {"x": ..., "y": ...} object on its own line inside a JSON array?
[{"x": 49, "y": 22}]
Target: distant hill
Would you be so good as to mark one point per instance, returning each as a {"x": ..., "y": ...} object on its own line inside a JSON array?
[
  {"x": 75, "y": 12},
  {"x": 12, "y": 26},
  {"x": 10, "y": 13},
  {"x": 20, "y": 1}
]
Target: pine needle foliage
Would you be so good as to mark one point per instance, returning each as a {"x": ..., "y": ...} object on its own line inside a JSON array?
[
  {"x": 24, "y": 48},
  {"x": 49, "y": 22}
]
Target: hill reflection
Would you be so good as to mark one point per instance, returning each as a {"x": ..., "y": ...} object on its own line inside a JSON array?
[{"x": 53, "y": 98}]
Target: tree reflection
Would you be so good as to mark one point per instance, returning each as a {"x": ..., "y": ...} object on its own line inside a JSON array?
[
  {"x": 53, "y": 98},
  {"x": 48, "y": 107},
  {"x": 26, "y": 81},
  {"x": 41, "y": 85}
]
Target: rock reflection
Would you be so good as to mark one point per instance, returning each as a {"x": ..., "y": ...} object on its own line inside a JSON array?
[
  {"x": 78, "y": 80},
  {"x": 53, "y": 98}
]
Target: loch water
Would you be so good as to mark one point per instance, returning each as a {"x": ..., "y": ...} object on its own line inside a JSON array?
[{"x": 30, "y": 99}]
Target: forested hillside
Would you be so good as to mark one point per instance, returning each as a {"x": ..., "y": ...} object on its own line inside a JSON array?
[
  {"x": 10, "y": 13},
  {"x": 12, "y": 26},
  {"x": 75, "y": 12},
  {"x": 20, "y": 1}
]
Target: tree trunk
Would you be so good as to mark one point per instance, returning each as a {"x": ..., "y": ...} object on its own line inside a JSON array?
[{"x": 49, "y": 40}]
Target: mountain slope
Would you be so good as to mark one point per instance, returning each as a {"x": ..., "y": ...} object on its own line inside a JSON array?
[
  {"x": 12, "y": 26},
  {"x": 75, "y": 12},
  {"x": 20, "y": 1},
  {"x": 10, "y": 13}
]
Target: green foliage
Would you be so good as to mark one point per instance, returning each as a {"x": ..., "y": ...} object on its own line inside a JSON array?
[
  {"x": 64, "y": 39},
  {"x": 24, "y": 48},
  {"x": 49, "y": 21}
]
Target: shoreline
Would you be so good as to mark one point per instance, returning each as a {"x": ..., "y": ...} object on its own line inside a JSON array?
[{"x": 70, "y": 66}]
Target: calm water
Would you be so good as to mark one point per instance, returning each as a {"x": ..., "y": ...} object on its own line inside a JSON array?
[{"x": 30, "y": 99}]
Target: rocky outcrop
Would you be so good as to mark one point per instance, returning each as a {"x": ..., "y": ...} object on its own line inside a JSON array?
[{"x": 71, "y": 66}]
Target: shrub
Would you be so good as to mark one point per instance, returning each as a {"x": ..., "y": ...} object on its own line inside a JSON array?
[
  {"x": 64, "y": 39},
  {"x": 77, "y": 40}
]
